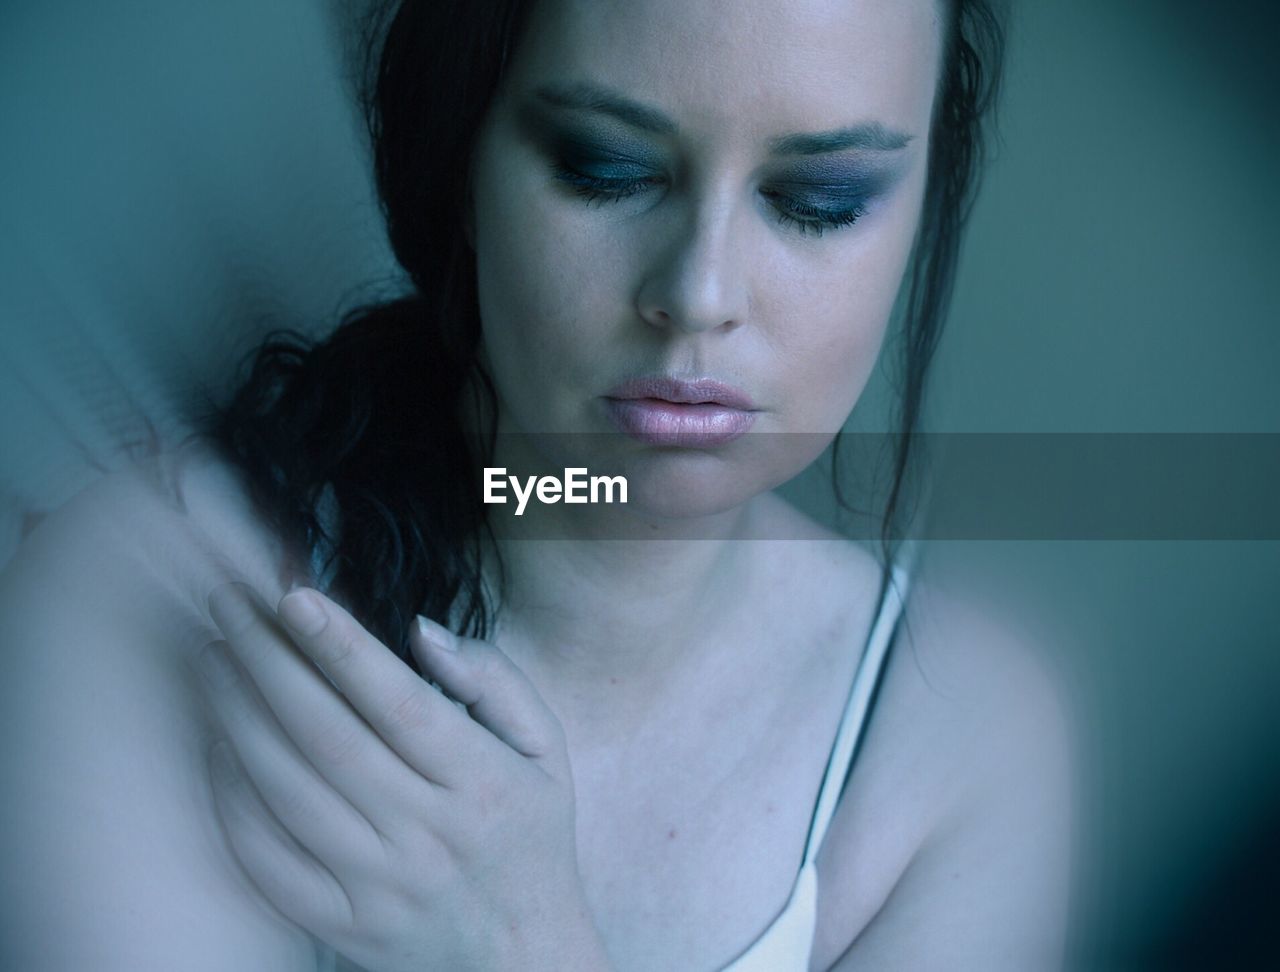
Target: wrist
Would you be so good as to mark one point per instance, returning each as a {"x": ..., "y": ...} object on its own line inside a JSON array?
[{"x": 567, "y": 941}]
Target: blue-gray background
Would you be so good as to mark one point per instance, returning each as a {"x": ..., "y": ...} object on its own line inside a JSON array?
[{"x": 175, "y": 177}]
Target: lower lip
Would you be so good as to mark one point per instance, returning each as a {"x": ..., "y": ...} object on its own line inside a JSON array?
[{"x": 655, "y": 421}]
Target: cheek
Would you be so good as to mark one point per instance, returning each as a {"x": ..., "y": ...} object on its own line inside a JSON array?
[
  {"x": 543, "y": 256},
  {"x": 834, "y": 315},
  {"x": 541, "y": 291},
  {"x": 521, "y": 274}
]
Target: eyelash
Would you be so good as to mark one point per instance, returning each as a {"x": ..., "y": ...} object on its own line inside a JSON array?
[
  {"x": 595, "y": 189},
  {"x": 797, "y": 215},
  {"x": 810, "y": 219}
]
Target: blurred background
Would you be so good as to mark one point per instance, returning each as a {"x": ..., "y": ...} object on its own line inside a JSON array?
[{"x": 177, "y": 177}]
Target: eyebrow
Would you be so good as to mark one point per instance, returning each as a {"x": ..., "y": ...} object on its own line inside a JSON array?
[
  {"x": 585, "y": 96},
  {"x": 871, "y": 136}
]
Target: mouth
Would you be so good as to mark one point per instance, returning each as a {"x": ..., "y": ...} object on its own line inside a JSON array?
[
  {"x": 677, "y": 391},
  {"x": 663, "y": 411}
]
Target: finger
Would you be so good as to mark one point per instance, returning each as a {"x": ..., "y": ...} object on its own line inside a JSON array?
[
  {"x": 292, "y": 880},
  {"x": 320, "y": 818},
  {"x": 432, "y": 735},
  {"x": 342, "y": 747},
  {"x": 493, "y": 688}
]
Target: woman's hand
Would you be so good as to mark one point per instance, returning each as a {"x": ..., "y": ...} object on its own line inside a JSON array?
[{"x": 379, "y": 815}]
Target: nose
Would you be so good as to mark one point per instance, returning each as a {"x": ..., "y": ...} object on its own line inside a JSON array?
[{"x": 699, "y": 280}]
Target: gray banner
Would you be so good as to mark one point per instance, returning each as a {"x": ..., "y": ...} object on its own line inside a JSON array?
[{"x": 968, "y": 486}]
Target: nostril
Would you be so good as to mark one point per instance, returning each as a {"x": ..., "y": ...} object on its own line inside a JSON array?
[{"x": 657, "y": 317}]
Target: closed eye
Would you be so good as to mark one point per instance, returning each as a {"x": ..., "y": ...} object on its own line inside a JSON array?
[
  {"x": 791, "y": 211},
  {"x": 808, "y": 218},
  {"x": 603, "y": 188}
]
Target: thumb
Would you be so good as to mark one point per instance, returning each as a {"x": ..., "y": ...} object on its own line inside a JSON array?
[{"x": 495, "y": 691}]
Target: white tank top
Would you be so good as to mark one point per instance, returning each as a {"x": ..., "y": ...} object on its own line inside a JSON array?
[{"x": 786, "y": 945}]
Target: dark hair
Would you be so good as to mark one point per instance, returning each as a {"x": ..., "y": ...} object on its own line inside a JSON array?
[{"x": 353, "y": 448}]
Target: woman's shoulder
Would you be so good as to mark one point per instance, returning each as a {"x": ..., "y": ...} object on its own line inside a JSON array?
[
  {"x": 170, "y": 525},
  {"x": 961, "y": 791},
  {"x": 116, "y": 855},
  {"x": 108, "y": 594},
  {"x": 105, "y": 603},
  {"x": 964, "y": 658},
  {"x": 971, "y": 681}
]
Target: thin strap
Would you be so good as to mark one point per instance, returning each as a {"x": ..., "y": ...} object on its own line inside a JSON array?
[{"x": 856, "y": 709}]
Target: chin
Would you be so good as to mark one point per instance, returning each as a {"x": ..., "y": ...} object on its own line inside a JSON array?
[
  {"x": 685, "y": 486},
  {"x": 676, "y": 484}
]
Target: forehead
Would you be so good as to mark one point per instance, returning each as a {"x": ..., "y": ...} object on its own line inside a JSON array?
[{"x": 756, "y": 65}]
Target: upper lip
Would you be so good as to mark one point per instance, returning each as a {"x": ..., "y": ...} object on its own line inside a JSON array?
[{"x": 684, "y": 391}]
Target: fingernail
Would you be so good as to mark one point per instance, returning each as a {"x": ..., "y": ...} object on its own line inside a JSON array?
[
  {"x": 302, "y": 612},
  {"x": 437, "y": 635}
]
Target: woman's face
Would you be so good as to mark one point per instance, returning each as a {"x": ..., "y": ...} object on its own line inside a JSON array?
[{"x": 704, "y": 190}]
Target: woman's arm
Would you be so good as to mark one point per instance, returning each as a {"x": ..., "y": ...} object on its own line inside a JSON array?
[{"x": 113, "y": 855}]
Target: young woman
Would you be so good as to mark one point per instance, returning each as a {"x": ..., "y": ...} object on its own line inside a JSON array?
[{"x": 654, "y": 239}]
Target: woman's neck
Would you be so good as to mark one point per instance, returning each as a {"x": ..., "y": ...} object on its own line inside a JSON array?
[
  {"x": 588, "y": 607},
  {"x": 613, "y": 633},
  {"x": 596, "y": 596}
]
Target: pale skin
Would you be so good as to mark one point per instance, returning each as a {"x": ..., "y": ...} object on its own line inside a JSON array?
[{"x": 633, "y": 781}]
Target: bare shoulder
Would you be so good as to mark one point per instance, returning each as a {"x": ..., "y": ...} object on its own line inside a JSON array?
[
  {"x": 977, "y": 671},
  {"x": 952, "y": 841},
  {"x": 168, "y": 517},
  {"x": 114, "y": 856}
]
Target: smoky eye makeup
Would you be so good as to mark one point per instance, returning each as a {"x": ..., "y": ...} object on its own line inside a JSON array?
[
  {"x": 837, "y": 180},
  {"x": 833, "y": 196},
  {"x": 820, "y": 194},
  {"x": 587, "y": 152},
  {"x": 603, "y": 162}
]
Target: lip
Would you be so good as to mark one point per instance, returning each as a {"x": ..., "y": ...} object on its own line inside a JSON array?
[
  {"x": 664, "y": 411},
  {"x": 700, "y": 391}
]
